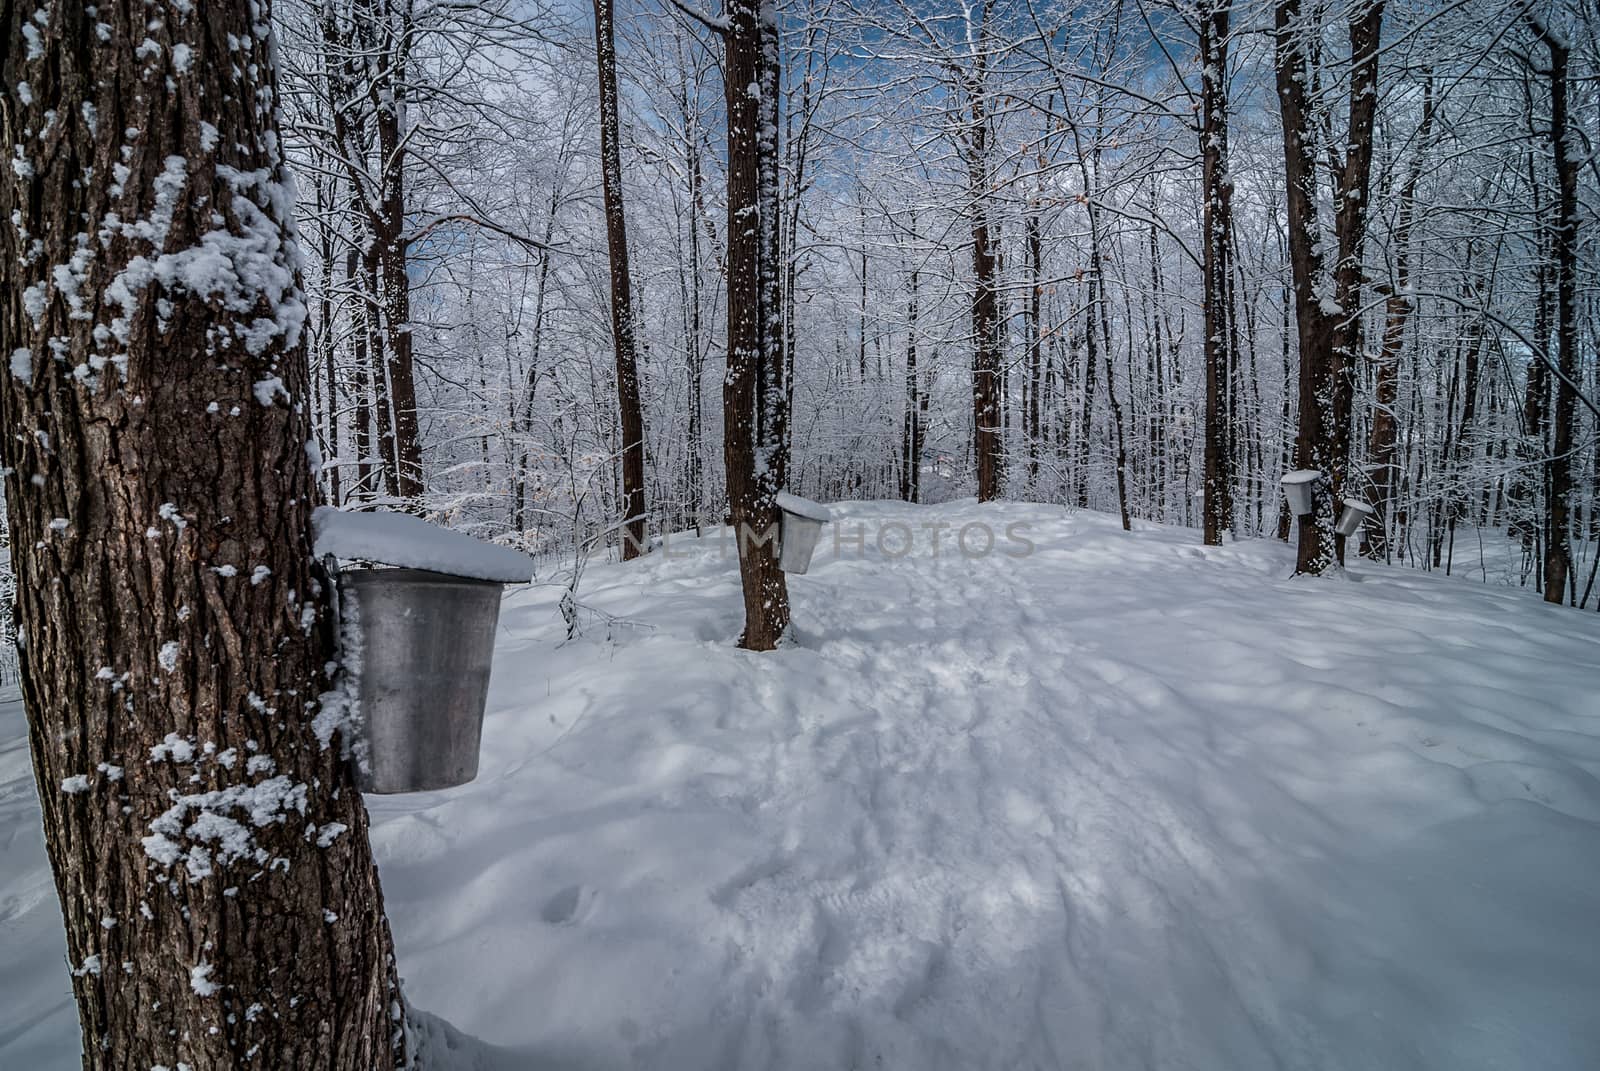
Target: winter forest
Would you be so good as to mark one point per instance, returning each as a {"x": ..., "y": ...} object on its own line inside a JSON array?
[
  {"x": 1107, "y": 255},
  {"x": 792, "y": 534}
]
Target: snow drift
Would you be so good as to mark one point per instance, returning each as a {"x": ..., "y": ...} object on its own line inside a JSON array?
[{"x": 1117, "y": 801}]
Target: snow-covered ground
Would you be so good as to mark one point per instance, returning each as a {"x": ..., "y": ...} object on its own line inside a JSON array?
[{"x": 1123, "y": 802}]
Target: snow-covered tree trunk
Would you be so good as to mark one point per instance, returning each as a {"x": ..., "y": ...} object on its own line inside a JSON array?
[
  {"x": 210, "y": 851},
  {"x": 1034, "y": 315},
  {"x": 1326, "y": 297},
  {"x": 986, "y": 400},
  {"x": 396, "y": 388},
  {"x": 752, "y": 392},
  {"x": 911, "y": 425},
  {"x": 1216, "y": 228},
  {"x": 1558, "y": 549},
  {"x": 622, "y": 320}
]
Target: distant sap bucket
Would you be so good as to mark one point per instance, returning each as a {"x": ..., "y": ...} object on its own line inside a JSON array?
[
  {"x": 426, "y": 641},
  {"x": 1356, "y": 513},
  {"x": 1300, "y": 489},
  {"x": 802, "y": 528}
]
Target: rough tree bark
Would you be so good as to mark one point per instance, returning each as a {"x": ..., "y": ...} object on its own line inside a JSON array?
[
  {"x": 1216, "y": 224},
  {"x": 1032, "y": 410},
  {"x": 369, "y": 49},
  {"x": 1326, "y": 300},
  {"x": 752, "y": 391},
  {"x": 986, "y": 439},
  {"x": 694, "y": 351},
  {"x": 911, "y": 432},
  {"x": 222, "y": 909},
  {"x": 1558, "y": 553},
  {"x": 622, "y": 322}
]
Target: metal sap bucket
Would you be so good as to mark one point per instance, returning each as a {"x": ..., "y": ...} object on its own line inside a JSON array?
[
  {"x": 1354, "y": 516},
  {"x": 801, "y": 529},
  {"x": 1299, "y": 490},
  {"x": 426, "y": 641}
]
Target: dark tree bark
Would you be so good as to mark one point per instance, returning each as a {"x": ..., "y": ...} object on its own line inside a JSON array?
[
  {"x": 1216, "y": 225},
  {"x": 752, "y": 391},
  {"x": 911, "y": 436},
  {"x": 622, "y": 322},
  {"x": 1119, "y": 446},
  {"x": 1558, "y": 552},
  {"x": 324, "y": 346},
  {"x": 861, "y": 356},
  {"x": 1326, "y": 298},
  {"x": 694, "y": 353},
  {"x": 1533, "y": 448},
  {"x": 389, "y": 88},
  {"x": 381, "y": 363},
  {"x": 1032, "y": 409},
  {"x": 371, "y": 43},
  {"x": 530, "y": 385},
  {"x": 361, "y": 332},
  {"x": 222, "y": 909},
  {"x": 986, "y": 439}
]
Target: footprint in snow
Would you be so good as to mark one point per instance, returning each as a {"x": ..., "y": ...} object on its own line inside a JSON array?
[{"x": 570, "y": 906}]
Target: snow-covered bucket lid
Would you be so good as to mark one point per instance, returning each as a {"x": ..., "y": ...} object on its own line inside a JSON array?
[
  {"x": 803, "y": 507},
  {"x": 1357, "y": 505},
  {"x": 1301, "y": 476},
  {"x": 408, "y": 542}
]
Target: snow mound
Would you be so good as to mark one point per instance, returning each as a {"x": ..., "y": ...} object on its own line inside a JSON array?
[{"x": 412, "y": 543}]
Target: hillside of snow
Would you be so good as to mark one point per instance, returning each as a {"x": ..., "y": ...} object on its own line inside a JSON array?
[{"x": 1121, "y": 802}]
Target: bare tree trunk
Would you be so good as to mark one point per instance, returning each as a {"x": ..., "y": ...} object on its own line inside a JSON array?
[
  {"x": 861, "y": 353},
  {"x": 985, "y": 308},
  {"x": 361, "y": 331},
  {"x": 1327, "y": 302},
  {"x": 209, "y": 849},
  {"x": 1558, "y": 551},
  {"x": 1160, "y": 424},
  {"x": 1035, "y": 312},
  {"x": 1216, "y": 223},
  {"x": 1098, "y": 282},
  {"x": 328, "y": 404},
  {"x": 622, "y": 322},
  {"x": 389, "y": 91},
  {"x": 524, "y": 413},
  {"x": 694, "y": 355},
  {"x": 1086, "y": 396},
  {"x": 911, "y": 439},
  {"x": 378, "y": 346},
  {"x": 1397, "y": 311},
  {"x": 752, "y": 393}
]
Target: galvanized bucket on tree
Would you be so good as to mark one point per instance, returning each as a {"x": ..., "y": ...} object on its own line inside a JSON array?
[
  {"x": 1299, "y": 490},
  {"x": 1354, "y": 516},
  {"x": 802, "y": 527},
  {"x": 426, "y": 641}
]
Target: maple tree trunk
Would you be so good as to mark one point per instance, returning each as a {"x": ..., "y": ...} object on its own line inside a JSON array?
[
  {"x": 388, "y": 90},
  {"x": 622, "y": 323},
  {"x": 1326, "y": 298},
  {"x": 1558, "y": 551},
  {"x": 752, "y": 390},
  {"x": 911, "y": 434},
  {"x": 1217, "y": 502},
  {"x": 210, "y": 852},
  {"x": 985, "y": 305},
  {"x": 1035, "y": 313}
]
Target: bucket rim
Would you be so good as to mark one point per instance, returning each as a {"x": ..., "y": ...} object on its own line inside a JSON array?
[{"x": 404, "y": 575}]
